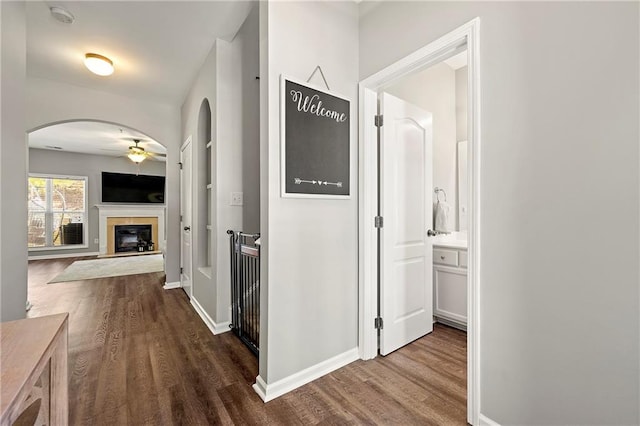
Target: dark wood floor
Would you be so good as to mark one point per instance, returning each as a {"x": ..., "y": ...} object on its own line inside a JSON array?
[{"x": 139, "y": 354}]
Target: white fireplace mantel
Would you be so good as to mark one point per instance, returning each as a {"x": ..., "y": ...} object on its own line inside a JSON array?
[{"x": 129, "y": 210}]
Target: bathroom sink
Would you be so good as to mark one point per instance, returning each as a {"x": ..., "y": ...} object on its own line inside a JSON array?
[{"x": 454, "y": 240}]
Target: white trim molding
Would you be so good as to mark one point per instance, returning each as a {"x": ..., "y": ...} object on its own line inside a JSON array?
[
  {"x": 465, "y": 36},
  {"x": 63, "y": 256},
  {"x": 215, "y": 328},
  {"x": 486, "y": 421},
  {"x": 472, "y": 31},
  {"x": 271, "y": 391},
  {"x": 171, "y": 286},
  {"x": 368, "y": 257}
]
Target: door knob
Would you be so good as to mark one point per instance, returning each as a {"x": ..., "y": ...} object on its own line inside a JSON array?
[
  {"x": 431, "y": 233},
  {"x": 187, "y": 228}
]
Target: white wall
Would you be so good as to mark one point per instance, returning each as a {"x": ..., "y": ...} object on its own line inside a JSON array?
[
  {"x": 51, "y": 102},
  {"x": 309, "y": 252},
  {"x": 265, "y": 170},
  {"x": 462, "y": 83},
  {"x": 461, "y": 103},
  {"x": 247, "y": 41},
  {"x": 13, "y": 163},
  {"x": 204, "y": 87},
  {"x": 227, "y": 80},
  {"x": 229, "y": 165},
  {"x": 559, "y": 194},
  {"x": 69, "y": 163},
  {"x": 434, "y": 90}
]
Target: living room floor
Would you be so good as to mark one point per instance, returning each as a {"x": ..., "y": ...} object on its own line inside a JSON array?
[{"x": 139, "y": 354}]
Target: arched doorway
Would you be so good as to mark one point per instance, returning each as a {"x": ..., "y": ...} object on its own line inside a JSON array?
[{"x": 66, "y": 163}]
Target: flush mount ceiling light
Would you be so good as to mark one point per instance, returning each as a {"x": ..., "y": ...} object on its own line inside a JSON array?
[
  {"x": 136, "y": 153},
  {"x": 98, "y": 64}
]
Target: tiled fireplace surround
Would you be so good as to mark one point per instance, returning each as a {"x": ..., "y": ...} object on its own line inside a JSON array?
[{"x": 111, "y": 215}]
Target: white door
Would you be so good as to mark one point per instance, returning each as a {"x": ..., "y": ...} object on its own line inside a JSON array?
[
  {"x": 186, "y": 254},
  {"x": 406, "y": 295}
]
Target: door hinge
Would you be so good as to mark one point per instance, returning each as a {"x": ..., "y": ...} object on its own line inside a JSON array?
[
  {"x": 180, "y": 164},
  {"x": 180, "y": 218},
  {"x": 379, "y": 222},
  {"x": 377, "y": 323},
  {"x": 379, "y": 120},
  {"x": 181, "y": 269}
]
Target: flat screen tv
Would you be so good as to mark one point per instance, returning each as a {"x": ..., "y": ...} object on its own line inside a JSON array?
[{"x": 128, "y": 188}]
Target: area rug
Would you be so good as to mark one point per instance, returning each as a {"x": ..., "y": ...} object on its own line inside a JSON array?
[{"x": 111, "y": 267}]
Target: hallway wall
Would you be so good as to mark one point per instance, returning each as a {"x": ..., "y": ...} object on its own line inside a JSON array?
[
  {"x": 559, "y": 194},
  {"x": 309, "y": 254},
  {"x": 13, "y": 163},
  {"x": 227, "y": 80}
]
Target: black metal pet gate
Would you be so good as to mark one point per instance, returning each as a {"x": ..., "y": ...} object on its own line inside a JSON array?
[{"x": 245, "y": 288}]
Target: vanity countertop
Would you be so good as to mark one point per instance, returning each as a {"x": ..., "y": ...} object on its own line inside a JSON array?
[{"x": 456, "y": 240}]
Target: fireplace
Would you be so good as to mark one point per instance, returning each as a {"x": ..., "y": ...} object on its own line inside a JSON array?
[
  {"x": 112, "y": 215},
  {"x": 131, "y": 237}
]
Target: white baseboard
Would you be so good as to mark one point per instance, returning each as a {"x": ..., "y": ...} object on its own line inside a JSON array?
[
  {"x": 216, "y": 328},
  {"x": 62, "y": 256},
  {"x": 222, "y": 327},
  {"x": 486, "y": 421},
  {"x": 170, "y": 286},
  {"x": 271, "y": 391},
  {"x": 261, "y": 388}
]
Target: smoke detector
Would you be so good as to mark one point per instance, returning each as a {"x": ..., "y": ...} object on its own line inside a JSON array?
[{"x": 62, "y": 15}]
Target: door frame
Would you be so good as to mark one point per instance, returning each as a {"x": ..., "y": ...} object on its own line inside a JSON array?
[
  {"x": 189, "y": 176},
  {"x": 430, "y": 54}
]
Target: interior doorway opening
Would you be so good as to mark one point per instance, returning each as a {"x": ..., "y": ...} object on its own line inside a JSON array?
[
  {"x": 378, "y": 240},
  {"x": 186, "y": 218},
  {"x": 67, "y": 164}
]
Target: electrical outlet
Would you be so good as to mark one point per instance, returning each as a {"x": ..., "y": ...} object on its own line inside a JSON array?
[
  {"x": 236, "y": 198},
  {"x": 96, "y": 241}
]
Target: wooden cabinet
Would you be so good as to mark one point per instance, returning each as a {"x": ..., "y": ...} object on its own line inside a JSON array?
[
  {"x": 33, "y": 371},
  {"x": 450, "y": 286}
]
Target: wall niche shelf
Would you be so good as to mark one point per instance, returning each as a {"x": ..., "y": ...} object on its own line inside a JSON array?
[{"x": 206, "y": 181}]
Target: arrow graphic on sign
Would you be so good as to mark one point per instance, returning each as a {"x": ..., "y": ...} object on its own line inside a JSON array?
[{"x": 299, "y": 181}]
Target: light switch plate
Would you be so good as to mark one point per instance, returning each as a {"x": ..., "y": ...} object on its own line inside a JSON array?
[{"x": 236, "y": 198}]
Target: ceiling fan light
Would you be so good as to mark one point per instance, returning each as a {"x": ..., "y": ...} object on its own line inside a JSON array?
[
  {"x": 98, "y": 64},
  {"x": 137, "y": 156}
]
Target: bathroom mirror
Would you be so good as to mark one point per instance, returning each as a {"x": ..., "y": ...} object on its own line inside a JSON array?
[{"x": 462, "y": 186}]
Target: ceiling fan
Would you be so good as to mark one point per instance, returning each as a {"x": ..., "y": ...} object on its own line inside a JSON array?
[{"x": 137, "y": 154}]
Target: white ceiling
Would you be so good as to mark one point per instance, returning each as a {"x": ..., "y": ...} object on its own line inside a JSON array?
[
  {"x": 91, "y": 137},
  {"x": 457, "y": 61},
  {"x": 157, "y": 48}
]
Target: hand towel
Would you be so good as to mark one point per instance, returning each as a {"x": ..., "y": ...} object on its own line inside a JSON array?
[{"x": 443, "y": 217}]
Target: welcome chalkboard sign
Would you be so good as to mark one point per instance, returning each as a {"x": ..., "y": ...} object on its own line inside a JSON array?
[{"x": 315, "y": 142}]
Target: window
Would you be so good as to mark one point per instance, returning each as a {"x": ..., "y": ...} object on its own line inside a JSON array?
[{"x": 57, "y": 211}]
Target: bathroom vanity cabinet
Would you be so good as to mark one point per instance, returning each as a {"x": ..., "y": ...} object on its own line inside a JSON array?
[{"x": 450, "y": 285}]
